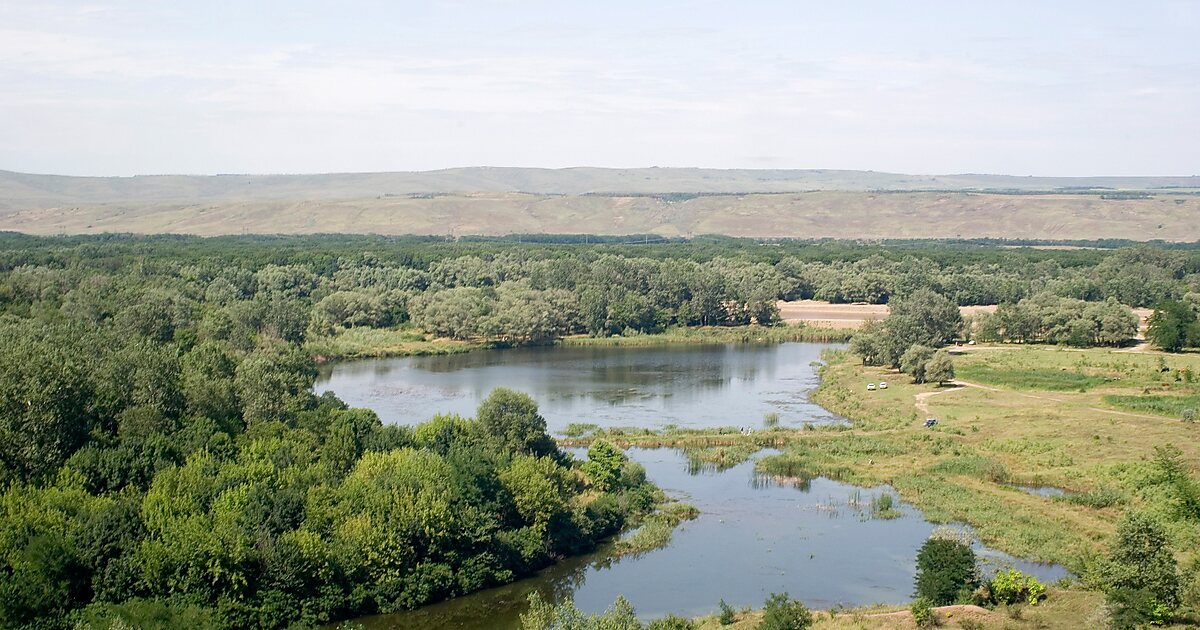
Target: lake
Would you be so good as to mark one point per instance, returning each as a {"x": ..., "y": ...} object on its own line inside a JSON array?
[
  {"x": 688, "y": 386},
  {"x": 752, "y": 538}
]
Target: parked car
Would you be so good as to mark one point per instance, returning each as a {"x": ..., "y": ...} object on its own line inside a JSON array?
[
  {"x": 870, "y": 387},
  {"x": 882, "y": 385}
]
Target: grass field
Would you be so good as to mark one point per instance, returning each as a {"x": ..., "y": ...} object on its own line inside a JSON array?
[{"x": 1061, "y": 380}]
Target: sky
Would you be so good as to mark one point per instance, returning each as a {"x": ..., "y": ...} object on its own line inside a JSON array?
[{"x": 1023, "y": 88}]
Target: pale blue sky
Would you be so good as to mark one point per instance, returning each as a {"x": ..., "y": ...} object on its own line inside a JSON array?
[{"x": 1045, "y": 88}]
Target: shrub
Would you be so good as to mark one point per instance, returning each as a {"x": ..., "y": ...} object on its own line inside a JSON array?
[
  {"x": 671, "y": 622},
  {"x": 726, "y": 616},
  {"x": 1012, "y": 586},
  {"x": 784, "y": 613},
  {"x": 922, "y": 612},
  {"x": 945, "y": 571}
]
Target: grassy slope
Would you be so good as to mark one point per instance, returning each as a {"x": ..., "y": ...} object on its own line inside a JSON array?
[{"x": 834, "y": 214}]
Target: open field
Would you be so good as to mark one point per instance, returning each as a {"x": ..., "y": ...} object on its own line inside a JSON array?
[
  {"x": 667, "y": 202},
  {"x": 819, "y": 313}
]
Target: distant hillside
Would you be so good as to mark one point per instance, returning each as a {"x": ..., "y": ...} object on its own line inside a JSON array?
[{"x": 669, "y": 201}]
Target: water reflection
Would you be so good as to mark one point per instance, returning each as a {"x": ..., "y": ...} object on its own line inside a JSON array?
[
  {"x": 691, "y": 386},
  {"x": 755, "y": 535}
]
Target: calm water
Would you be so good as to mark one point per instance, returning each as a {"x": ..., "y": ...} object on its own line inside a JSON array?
[
  {"x": 751, "y": 539},
  {"x": 690, "y": 386}
]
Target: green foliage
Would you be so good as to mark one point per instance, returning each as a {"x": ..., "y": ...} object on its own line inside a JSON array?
[
  {"x": 914, "y": 361},
  {"x": 672, "y": 622},
  {"x": 939, "y": 369},
  {"x": 1012, "y": 587},
  {"x": 945, "y": 571},
  {"x": 923, "y": 318},
  {"x": 1141, "y": 576},
  {"x": 1170, "y": 405},
  {"x": 726, "y": 616},
  {"x": 784, "y": 613},
  {"x": 922, "y": 612},
  {"x": 146, "y": 614},
  {"x": 1029, "y": 378},
  {"x": 604, "y": 464},
  {"x": 1058, "y": 319},
  {"x": 510, "y": 420},
  {"x": 1173, "y": 326},
  {"x": 620, "y": 616}
]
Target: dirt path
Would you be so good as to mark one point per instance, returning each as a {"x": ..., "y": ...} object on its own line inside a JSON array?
[
  {"x": 944, "y": 613},
  {"x": 921, "y": 400}
]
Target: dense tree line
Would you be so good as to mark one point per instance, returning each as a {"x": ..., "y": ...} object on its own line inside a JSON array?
[
  {"x": 164, "y": 464},
  {"x": 230, "y": 289}
]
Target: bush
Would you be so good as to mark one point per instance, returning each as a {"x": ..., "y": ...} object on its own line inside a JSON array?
[
  {"x": 922, "y": 612},
  {"x": 784, "y": 613},
  {"x": 1012, "y": 586},
  {"x": 671, "y": 622},
  {"x": 726, "y": 616},
  {"x": 945, "y": 571}
]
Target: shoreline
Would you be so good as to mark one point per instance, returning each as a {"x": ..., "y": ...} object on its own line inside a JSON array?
[{"x": 382, "y": 343}]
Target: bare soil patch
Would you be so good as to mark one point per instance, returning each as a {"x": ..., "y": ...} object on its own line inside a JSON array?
[{"x": 852, "y": 316}]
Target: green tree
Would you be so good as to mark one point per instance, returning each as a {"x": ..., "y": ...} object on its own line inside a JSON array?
[
  {"x": 1173, "y": 326},
  {"x": 604, "y": 463},
  {"x": 939, "y": 369},
  {"x": 1141, "y": 573},
  {"x": 510, "y": 420},
  {"x": 915, "y": 360},
  {"x": 945, "y": 570}
]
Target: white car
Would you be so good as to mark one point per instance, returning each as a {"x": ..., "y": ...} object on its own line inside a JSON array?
[
  {"x": 882, "y": 385},
  {"x": 870, "y": 387}
]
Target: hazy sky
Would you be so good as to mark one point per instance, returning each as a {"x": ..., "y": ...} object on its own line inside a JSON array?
[{"x": 1046, "y": 88}]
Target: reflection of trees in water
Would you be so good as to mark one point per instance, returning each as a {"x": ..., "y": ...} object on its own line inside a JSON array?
[{"x": 500, "y": 607}]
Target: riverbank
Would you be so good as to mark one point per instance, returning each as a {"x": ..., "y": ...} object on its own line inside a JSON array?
[
  {"x": 375, "y": 343},
  {"x": 1065, "y": 609}
]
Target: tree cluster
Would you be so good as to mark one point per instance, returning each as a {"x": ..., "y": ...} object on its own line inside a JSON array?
[
  {"x": 922, "y": 321},
  {"x": 1048, "y": 318},
  {"x": 181, "y": 473}
]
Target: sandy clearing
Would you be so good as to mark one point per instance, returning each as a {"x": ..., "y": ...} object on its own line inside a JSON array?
[{"x": 825, "y": 314}]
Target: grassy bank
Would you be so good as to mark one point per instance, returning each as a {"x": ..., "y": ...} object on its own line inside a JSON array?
[
  {"x": 1057, "y": 426},
  {"x": 1064, "y": 609},
  {"x": 719, "y": 334},
  {"x": 367, "y": 343}
]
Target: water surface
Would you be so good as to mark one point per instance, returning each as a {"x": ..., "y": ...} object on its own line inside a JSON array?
[
  {"x": 752, "y": 538},
  {"x": 689, "y": 386}
]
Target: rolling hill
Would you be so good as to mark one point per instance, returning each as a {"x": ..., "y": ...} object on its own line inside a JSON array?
[{"x": 667, "y": 201}]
